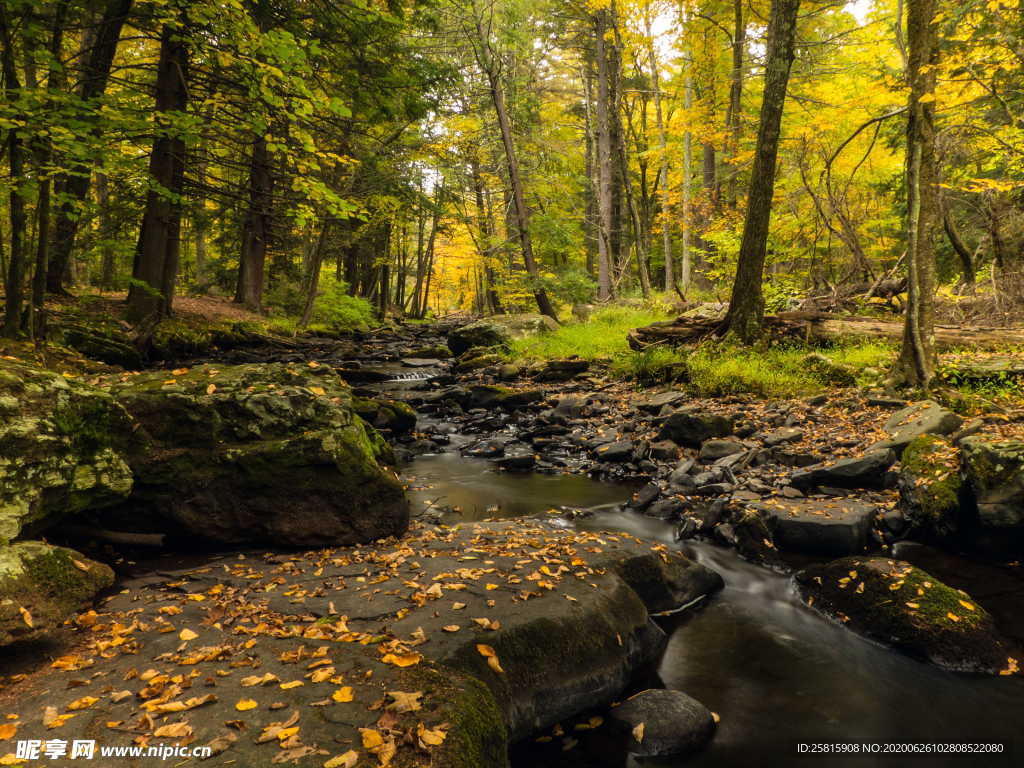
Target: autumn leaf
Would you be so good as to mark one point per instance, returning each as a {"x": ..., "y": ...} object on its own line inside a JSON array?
[
  {"x": 347, "y": 760},
  {"x": 402, "y": 659},
  {"x": 965, "y": 604},
  {"x": 83, "y": 703},
  {"x": 451, "y": 628},
  {"x": 251, "y": 680},
  {"x": 26, "y": 617},
  {"x": 342, "y": 695},
  {"x": 51, "y": 718},
  {"x": 402, "y": 701},
  {"x": 429, "y": 737},
  {"x": 7, "y": 731},
  {"x": 173, "y": 731},
  {"x": 211, "y": 388},
  {"x": 187, "y": 634},
  {"x": 371, "y": 738},
  {"x": 638, "y": 733},
  {"x": 291, "y": 684},
  {"x": 243, "y": 705},
  {"x": 492, "y": 658}
]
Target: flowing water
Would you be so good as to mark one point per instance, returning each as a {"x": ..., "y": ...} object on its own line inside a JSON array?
[{"x": 777, "y": 674}]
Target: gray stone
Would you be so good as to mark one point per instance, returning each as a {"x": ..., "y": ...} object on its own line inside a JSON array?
[
  {"x": 831, "y": 527},
  {"x": 673, "y": 723},
  {"x": 923, "y": 418},
  {"x": 716, "y": 449},
  {"x": 664, "y": 450},
  {"x": 622, "y": 450},
  {"x": 867, "y": 471},
  {"x": 783, "y": 435},
  {"x": 691, "y": 429},
  {"x": 665, "y": 509},
  {"x": 656, "y": 402},
  {"x": 994, "y": 470}
]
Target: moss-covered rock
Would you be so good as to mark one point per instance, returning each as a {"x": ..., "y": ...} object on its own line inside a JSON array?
[
  {"x": 499, "y": 329},
  {"x": 930, "y": 485},
  {"x": 994, "y": 470},
  {"x": 257, "y": 453},
  {"x": 396, "y": 417},
  {"x": 57, "y": 451},
  {"x": 42, "y": 585},
  {"x": 827, "y": 370},
  {"x": 900, "y": 605},
  {"x": 467, "y": 364}
]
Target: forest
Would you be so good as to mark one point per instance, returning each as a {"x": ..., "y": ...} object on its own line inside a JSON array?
[{"x": 511, "y": 383}]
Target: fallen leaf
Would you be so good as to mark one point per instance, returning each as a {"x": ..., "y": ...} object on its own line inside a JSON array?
[
  {"x": 173, "y": 731},
  {"x": 429, "y": 737},
  {"x": 638, "y": 733},
  {"x": 343, "y": 694},
  {"x": 291, "y": 684},
  {"x": 83, "y": 703},
  {"x": 244, "y": 705},
  {"x": 451, "y": 628},
  {"x": 7, "y": 731},
  {"x": 346, "y": 760},
  {"x": 371, "y": 738},
  {"x": 402, "y": 659},
  {"x": 965, "y": 604},
  {"x": 26, "y": 617},
  {"x": 251, "y": 680},
  {"x": 187, "y": 634},
  {"x": 51, "y": 718},
  {"x": 402, "y": 701}
]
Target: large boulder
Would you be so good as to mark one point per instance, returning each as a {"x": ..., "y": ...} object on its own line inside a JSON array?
[
  {"x": 499, "y": 329},
  {"x": 394, "y": 416},
  {"x": 497, "y": 630},
  {"x": 691, "y": 428},
  {"x": 42, "y": 585},
  {"x": 994, "y": 469},
  {"x": 930, "y": 486},
  {"x": 257, "y": 453},
  {"x": 895, "y": 603},
  {"x": 831, "y": 527},
  {"x": 57, "y": 449},
  {"x": 867, "y": 471},
  {"x": 924, "y": 418},
  {"x": 659, "y": 723}
]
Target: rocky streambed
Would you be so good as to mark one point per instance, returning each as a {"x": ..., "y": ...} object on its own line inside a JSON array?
[{"x": 447, "y": 643}]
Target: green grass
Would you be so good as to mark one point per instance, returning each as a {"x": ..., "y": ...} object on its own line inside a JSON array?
[{"x": 603, "y": 337}]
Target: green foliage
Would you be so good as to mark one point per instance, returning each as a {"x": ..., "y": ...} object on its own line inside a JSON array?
[
  {"x": 572, "y": 286},
  {"x": 603, "y": 337},
  {"x": 340, "y": 312}
]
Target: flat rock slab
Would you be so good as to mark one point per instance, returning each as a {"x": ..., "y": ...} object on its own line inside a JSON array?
[
  {"x": 495, "y": 629},
  {"x": 421, "y": 362},
  {"x": 924, "y": 418},
  {"x": 832, "y": 527},
  {"x": 661, "y": 723}
]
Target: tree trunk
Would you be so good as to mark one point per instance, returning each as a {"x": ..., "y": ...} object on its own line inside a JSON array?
[
  {"x": 746, "y": 306},
  {"x": 108, "y": 266},
  {"x": 14, "y": 286},
  {"x": 156, "y": 253},
  {"x": 916, "y": 365},
  {"x": 666, "y": 232},
  {"x": 75, "y": 186},
  {"x": 967, "y": 273},
  {"x": 515, "y": 178},
  {"x": 687, "y": 263},
  {"x": 591, "y": 227},
  {"x": 733, "y": 114},
  {"x": 604, "y": 162},
  {"x": 486, "y": 228},
  {"x": 256, "y": 229}
]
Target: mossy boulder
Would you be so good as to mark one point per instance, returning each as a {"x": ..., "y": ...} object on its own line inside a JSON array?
[
  {"x": 42, "y": 585},
  {"x": 467, "y": 364},
  {"x": 827, "y": 370},
  {"x": 500, "y": 329},
  {"x": 930, "y": 486},
  {"x": 994, "y": 470},
  {"x": 57, "y": 449},
  {"x": 895, "y": 603},
  {"x": 257, "y": 453},
  {"x": 394, "y": 416},
  {"x": 97, "y": 338}
]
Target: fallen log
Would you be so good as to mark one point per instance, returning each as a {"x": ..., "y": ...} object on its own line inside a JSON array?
[{"x": 823, "y": 326}]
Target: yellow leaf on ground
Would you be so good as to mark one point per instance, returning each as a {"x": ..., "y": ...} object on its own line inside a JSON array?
[
  {"x": 347, "y": 760},
  {"x": 251, "y": 680},
  {"x": 7, "y": 731},
  {"x": 26, "y": 617},
  {"x": 51, "y": 718},
  {"x": 243, "y": 705},
  {"x": 638, "y": 733},
  {"x": 402, "y": 659},
  {"x": 952, "y": 616},
  {"x": 291, "y": 684},
  {"x": 187, "y": 634},
  {"x": 11, "y": 759},
  {"x": 173, "y": 731},
  {"x": 429, "y": 737},
  {"x": 83, "y": 703},
  {"x": 318, "y": 390},
  {"x": 371, "y": 738},
  {"x": 402, "y": 701},
  {"x": 343, "y": 695},
  {"x": 968, "y": 606},
  {"x": 451, "y": 628}
]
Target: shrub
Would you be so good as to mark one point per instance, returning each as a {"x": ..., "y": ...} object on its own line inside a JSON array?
[{"x": 340, "y": 312}]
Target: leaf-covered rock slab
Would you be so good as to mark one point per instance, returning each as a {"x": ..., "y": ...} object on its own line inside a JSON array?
[
  {"x": 435, "y": 649},
  {"x": 895, "y": 603}
]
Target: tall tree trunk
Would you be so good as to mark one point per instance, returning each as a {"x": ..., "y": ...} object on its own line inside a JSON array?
[
  {"x": 687, "y": 263},
  {"x": 746, "y": 306},
  {"x": 733, "y": 117},
  {"x": 490, "y": 67},
  {"x": 916, "y": 365},
  {"x": 256, "y": 229},
  {"x": 107, "y": 264},
  {"x": 316, "y": 260},
  {"x": 591, "y": 227},
  {"x": 666, "y": 231},
  {"x": 604, "y": 161},
  {"x": 14, "y": 286},
  {"x": 967, "y": 272},
  {"x": 156, "y": 254},
  {"x": 486, "y": 227},
  {"x": 75, "y": 186}
]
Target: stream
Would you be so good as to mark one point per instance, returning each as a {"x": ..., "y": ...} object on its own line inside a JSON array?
[{"x": 776, "y": 673}]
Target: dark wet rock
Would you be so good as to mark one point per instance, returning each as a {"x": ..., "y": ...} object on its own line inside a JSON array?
[
  {"x": 832, "y": 527},
  {"x": 256, "y": 453},
  {"x": 924, "y": 418},
  {"x": 561, "y": 370},
  {"x": 793, "y": 458},
  {"x": 520, "y": 462},
  {"x": 436, "y": 352},
  {"x": 643, "y": 498},
  {"x": 885, "y": 401},
  {"x": 664, "y": 450},
  {"x": 711, "y": 450},
  {"x": 570, "y": 407},
  {"x": 485, "y": 449},
  {"x": 483, "y": 396},
  {"x": 498, "y": 330},
  {"x": 42, "y": 585},
  {"x": 666, "y": 509},
  {"x": 108, "y": 342},
  {"x": 930, "y": 486},
  {"x": 783, "y": 435},
  {"x": 714, "y": 489},
  {"x": 509, "y": 372},
  {"x": 867, "y": 471},
  {"x": 654, "y": 403},
  {"x": 622, "y": 450},
  {"x": 469, "y": 363},
  {"x": 994, "y": 470},
  {"x": 659, "y": 723},
  {"x": 394, "y": 416},
  {"x": 893, "y": 602},
  {"x": 60, "y": 449},
  {"x": 689, "y": 428},
  {"x": 421, "y": 362}
]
